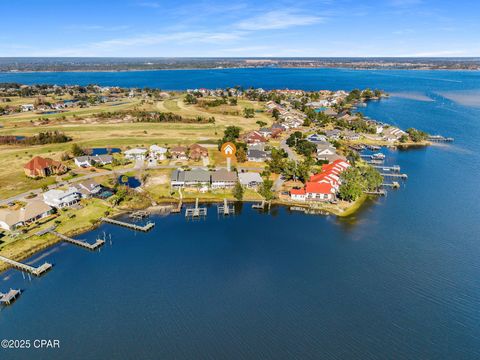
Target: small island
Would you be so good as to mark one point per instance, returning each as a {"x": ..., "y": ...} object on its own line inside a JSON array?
[{"x": 72, "y": 155}]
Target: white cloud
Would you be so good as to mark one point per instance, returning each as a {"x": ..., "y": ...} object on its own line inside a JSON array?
[{"x": 278, "y": 19}]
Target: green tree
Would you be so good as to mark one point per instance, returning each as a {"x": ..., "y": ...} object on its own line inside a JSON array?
[
  {"x": 241, "y": 155},
  {"x": 352, "y": 185},
  {"x": 238, "y": 191},
  {"x": 190, "y": 99},
  {"x": 266, "y": 189},
  {"x": 261, "y": 123},
  {"x": 77, "y": 150},
  {"x": 248, "y": 113},
  {"x": 276, "y": 113}
]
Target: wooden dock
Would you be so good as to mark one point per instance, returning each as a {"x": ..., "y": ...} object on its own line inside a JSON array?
[
  {"x": 393, "y": 185},
  {"x": 37, "y": 271},
  {"x": 136, "y": 227},
  {"x": 260, "y": 206},
  {"x": 440, "y": 138},
  {"x": 394, "y": 168},
  {"x": 226, "y": 209},
  {"x": 139, "y": 215},
  {"x": 9, "y": 297},
  {"x": 380, "y": 192},
  {"x": 401, "y": 176},
  {"x": 80, "y": 243},
  {"x": 196, "y": 211}
]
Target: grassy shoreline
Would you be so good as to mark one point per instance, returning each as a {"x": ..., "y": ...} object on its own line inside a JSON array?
[{"x": 22, "y": 249}]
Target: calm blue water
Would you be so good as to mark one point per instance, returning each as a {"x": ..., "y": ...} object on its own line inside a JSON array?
[
  {"x": 398, "y": 280},
  {"x": 104, "y": 151}
]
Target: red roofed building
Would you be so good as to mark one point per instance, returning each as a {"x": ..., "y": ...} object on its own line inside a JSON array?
[
  {"x": 253, "y": 137},
  {"x": 319, "y": 191},
  {"x": 298, "y": 194},
  {"x": 42, "y": 167}
]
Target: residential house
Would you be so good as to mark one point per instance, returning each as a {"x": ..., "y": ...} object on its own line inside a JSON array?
[
  {"x": 177, "y": 179},
  {"x": 31, "y": 212},
  {"x": 158, "y": 152},
  {"x": 333, "y": 134},
  {"x": 330, "y": 112},
  {"x": 136, "y": 154},
  {"x": 298, "y": 194},
  {"x": 250, "y": 180},
  {"x": 392, "y": 134},
  {"x": 179, "y": 152},
  {"x": 88, "y": 161},
  {"x": 253, "y": 137},
  {"x": 265, "y": 132},
  {"x": 43, "y": 167},
  {"x": 62, "y": 198},
  {"x": 326, "y": 152},
  {"x": 319, "y": 192},
  {"x": 317, "y": 139},
  {"x": 351, "y": 135},
  {"x": 88, "y": 188},
  {"x": 197, "y": 178},
  {"x": 257, "y": 155},
  {"x": 27, "y": 107},
  {"x": 197, "y": 152},
  {"x": 223, "y": 178}
]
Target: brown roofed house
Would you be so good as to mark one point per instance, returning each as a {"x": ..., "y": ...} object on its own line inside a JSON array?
[
  {"x": 179, "y": 152},
  {"x": 196, "y": 152},
  {"x": 43, "y": 167}
]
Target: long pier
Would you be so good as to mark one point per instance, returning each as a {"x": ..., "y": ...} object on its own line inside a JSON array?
[
  {"x": 259, "y": 205},
  {"x": 9, "y": 297},
  {"x": 401, "y": 176},
  {"x": 80, "y": 243},
  {"x": 394, "y": 168},
  {"x": 37, "y": 271},
  {"x": 393, "y": 185},
  {"x": 196, "y": 211},
  {"x": 136, "y": 227},
  {"x": 380, "y": 192},
  {"x": 440, "y": 138}
]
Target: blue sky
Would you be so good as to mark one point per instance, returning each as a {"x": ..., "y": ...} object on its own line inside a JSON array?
[{"x": 240, "y": 28}]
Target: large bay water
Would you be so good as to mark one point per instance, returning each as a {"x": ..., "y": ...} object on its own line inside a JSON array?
[{"x": 398, "y": 280}]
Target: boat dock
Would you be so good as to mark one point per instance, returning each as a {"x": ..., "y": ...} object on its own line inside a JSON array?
[
  {"x": 136, "y": 227},
  {"x": 439, "y": 138},
  {"x": 9, "y": 297},
  {"x": 375, "y": 162},
  {"x": 196, "y": 211},
  {"x": 393, "y": 185},
  {"x": 80, "y": 243},
  {"x": 138, "y": 215},
  {"x": 380, "y": 192},
  {"x": 260, "y": 206},
  {"x": 394, "y": 168},
  {"x": 37, "y": 271},
  {"x": 226, "y": 209},
  {"x": 401, "y": 176}
]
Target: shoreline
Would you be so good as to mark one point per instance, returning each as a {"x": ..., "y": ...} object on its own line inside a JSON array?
[
  {"x": 232, "y": 68},
  {"x": 51, "y": 241}
]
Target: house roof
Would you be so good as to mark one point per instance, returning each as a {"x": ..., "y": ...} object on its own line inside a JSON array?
[
  {"x": 258, "y": 154},
  {"x": 31, "y": 210},
  {"x": 135, "y": 151},
  {"x": 248, "y": 177},
  {"x": 39, "y": 163},
  {"x": 197, "y": 175},
  {"x": 223, "y": 175},
  {"x": 297, "y": 191},
  {"x": 157, "y": 148},
  {"x": 318, "y": 188}
]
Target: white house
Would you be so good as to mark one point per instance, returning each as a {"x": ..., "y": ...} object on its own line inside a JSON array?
[
  {"x": 88, "y": 161},
  {"x": 223, "y": 178},
  {"x": 88, "y": 188},
  {"x": 62, "y": 198},
  {"x": 27, "y": 107},
  {"x": 324, "y": 152},
  {"x": 250, "y": 179},
  {"x": 33, "y": 211},
  {"x": 136, "y": 154},
  {"x": 158, "y": 152}
]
